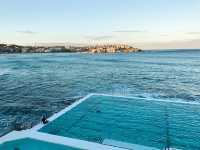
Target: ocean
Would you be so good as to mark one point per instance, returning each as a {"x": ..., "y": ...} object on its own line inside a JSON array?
[{"x": 36, "y": 84}]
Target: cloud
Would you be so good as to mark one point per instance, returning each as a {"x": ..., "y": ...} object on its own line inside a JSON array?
[
  {"x": 26, "y": 32},
  {"x": 164, "y": 35},
  {"x": 193, "y": 33},
  {"x": 130, "y": 31},
  {"x": 175, "y": 44},
  {"x": 98, "y": 38}
]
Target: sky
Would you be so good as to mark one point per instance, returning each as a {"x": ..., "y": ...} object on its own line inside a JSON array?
[{"x": 147, "y": 24}]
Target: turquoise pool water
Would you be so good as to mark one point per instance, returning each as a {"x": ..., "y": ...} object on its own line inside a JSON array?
[
  {"x": 31, "y": 144},
  {"x": 131, "y": 120}
]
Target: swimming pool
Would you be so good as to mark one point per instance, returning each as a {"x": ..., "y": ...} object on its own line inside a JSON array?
[
  {"x": 112, "y": 120},
  {"x": 32, "y": 144}
]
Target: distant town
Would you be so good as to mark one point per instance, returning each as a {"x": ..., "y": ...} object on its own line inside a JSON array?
[{"x": 109, "y": 48}]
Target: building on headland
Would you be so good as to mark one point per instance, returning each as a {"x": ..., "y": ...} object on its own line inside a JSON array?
[{"x": 113, "y": 49}]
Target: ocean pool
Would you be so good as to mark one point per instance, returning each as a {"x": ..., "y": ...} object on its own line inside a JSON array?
[{"x": 151, "y": 123}]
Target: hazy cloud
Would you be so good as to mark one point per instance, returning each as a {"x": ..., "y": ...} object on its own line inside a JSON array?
[
  {"x": 193, "y": 33},
  {"x": 130, "y": 31},
  {"x": 26, "y": 32},
  {"x": 97, "y": 38},
  {"x": 164, "y": 35}
]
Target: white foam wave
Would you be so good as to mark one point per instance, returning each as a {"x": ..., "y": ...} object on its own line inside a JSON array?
[{"x": 4, "y": 71}]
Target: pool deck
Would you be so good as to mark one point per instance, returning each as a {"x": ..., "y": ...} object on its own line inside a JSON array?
[{"x": 76, "y": 143}]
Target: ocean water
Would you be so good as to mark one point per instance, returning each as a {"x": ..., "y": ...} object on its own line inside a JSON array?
[{"x": 34, "y": 84}]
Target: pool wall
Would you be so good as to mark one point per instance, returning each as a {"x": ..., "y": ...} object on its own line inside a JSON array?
[{"x": 75, "y": 143}]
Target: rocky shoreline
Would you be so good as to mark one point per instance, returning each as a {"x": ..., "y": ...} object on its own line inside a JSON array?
[{"x": 116, "y": 48}]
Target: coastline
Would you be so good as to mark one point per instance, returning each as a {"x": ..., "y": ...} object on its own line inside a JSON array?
[{"x": 116, "y": 48}]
